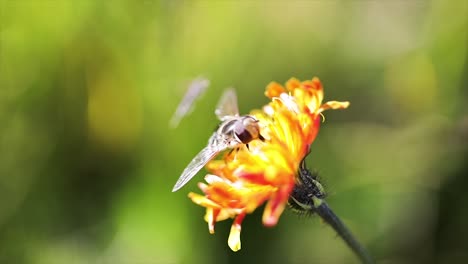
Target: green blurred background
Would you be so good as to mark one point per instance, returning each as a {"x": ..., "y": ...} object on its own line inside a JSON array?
[{"x": 87, "y": 159}]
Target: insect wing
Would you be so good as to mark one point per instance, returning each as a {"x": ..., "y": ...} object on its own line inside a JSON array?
[
  {"x": 227, "y": 105},
  {"x": 197, "y": 163},
  {"x": 194, "y": 92}
]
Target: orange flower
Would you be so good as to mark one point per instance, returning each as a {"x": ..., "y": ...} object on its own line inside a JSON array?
[{"x": 243, "y": 180}]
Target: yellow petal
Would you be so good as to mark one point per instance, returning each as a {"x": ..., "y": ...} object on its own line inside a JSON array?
[
  {"x": 210, "y": 218},
  {"x": 202, "y": 200},
  {"x": 333, "y": 105},
  {"x": 234, "y": 238}
]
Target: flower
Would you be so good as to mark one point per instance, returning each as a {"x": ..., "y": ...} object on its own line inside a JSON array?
[{"x": 243, "y": 180}]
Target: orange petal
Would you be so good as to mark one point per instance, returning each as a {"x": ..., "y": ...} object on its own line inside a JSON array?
[
  {"x": 274, "y": 89},
  {"x": 275, "y": 206},
  {"x": 292, "y": 84}
]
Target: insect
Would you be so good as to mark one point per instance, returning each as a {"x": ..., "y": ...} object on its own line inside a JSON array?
[
  {"x": 308, "y": 197},
  {"x": 234, "y": 131}
]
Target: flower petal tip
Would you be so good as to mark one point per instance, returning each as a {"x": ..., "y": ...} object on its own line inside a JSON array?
[
  {"x": 274, "y": 89},
  {"x": 270, "y": 221},
  {"x": 234, "y": 238}
]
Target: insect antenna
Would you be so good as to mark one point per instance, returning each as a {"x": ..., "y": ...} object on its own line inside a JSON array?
[{"x": 308, "y": 198}]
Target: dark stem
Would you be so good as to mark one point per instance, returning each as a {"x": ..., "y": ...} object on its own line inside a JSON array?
[{"x": 326, "y": 213}]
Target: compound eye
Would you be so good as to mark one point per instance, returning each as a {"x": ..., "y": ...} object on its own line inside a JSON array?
[{"x": 244, "y": 136}]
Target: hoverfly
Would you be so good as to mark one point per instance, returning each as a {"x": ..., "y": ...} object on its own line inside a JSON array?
[
  {"x": 308, "y": 197},
  {"x": 233, "y": 131}
]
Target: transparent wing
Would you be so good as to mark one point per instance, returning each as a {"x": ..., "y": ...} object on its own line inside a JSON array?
[
  {"x": 227, "y": 105},
  {"x": 194, "y": 92},
  {"x": 197, "y": 163}
]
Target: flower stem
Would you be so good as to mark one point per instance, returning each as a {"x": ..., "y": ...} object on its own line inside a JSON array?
[{"x": 326, "y": 213}]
